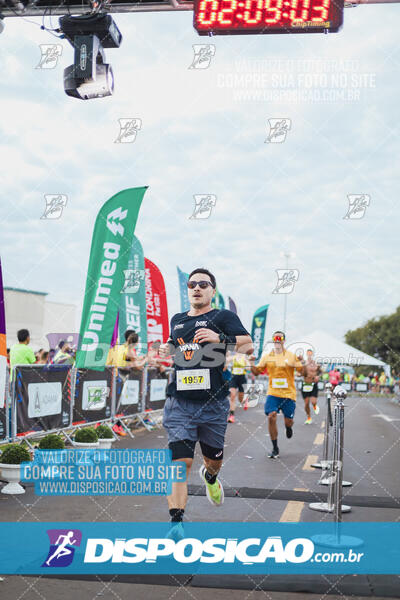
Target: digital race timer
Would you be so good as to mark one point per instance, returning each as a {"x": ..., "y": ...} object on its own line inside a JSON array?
[{"x": 267, "y": 16}]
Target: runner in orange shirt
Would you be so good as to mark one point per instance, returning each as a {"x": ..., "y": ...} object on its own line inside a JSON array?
[{"x": 281, "y": 396}]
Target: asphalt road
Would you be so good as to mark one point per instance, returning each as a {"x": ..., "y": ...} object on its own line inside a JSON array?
[{"x": 269, "y": 490}]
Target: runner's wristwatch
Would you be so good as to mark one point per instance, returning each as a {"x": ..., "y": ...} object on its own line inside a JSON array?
[{"x": 227, "y": 339}]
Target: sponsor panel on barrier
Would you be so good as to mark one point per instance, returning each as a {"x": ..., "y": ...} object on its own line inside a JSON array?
[
  {"x": 158, "y": 389},
  {"x": 346, "y": 386},
  {"x": 212, "y": 548},
  {"x": 44, "y": 399},
  {"x": 129, "y": 389},
  {"x": 130, "y": 392},
  {"x": 361, "y": 387},
  {"x": 92, "y": 397}
]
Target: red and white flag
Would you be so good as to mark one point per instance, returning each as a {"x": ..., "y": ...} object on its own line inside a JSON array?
[{"x": 156, "y": 304}]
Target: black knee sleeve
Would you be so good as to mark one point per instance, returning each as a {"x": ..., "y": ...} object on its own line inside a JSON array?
[{"x": 182, "y": 449}]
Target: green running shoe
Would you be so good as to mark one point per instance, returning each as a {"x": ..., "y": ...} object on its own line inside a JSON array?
[{"x": 215, "y": 491}]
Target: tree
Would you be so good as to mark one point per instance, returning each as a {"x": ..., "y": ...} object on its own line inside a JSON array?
[{"x": 379, "y": 337}]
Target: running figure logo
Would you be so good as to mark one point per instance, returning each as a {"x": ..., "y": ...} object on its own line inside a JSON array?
[
  {"x": 203, "y": 54},
  {"x": 55, "y": 204},
  {"x": 97, "y": 397},
  {"x": 255, "y": 392},
  {"x": 278, "y": 129},
  {"x": 133, "y": 277},
  {"x": 50, "y": 54},
  {"x": 62, "y": 547},
  {"x": 286, "y": 281},
  {"x": 128, "y": 129},
  {"x": 203, "y": 205},
  {"x": 357, "y": 206}
]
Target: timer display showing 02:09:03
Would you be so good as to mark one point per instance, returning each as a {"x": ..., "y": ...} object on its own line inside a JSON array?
[{"x": 262, "y": 16}]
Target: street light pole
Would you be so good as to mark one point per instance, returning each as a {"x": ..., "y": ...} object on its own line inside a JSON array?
[{"x": 287, "y": 256}]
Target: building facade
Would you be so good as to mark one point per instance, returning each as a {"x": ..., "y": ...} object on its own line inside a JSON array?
[{"x": 28, "y": 309}]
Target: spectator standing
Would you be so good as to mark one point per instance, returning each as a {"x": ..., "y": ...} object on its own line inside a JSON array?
[
  {"x": 22, "y": 353},
  {"x": 64, "y": 355},
  {"x": 118, "y": 355},
  {"x": 382, "y": 382},
  {"x": 42, "y": 357},
  {"x": 133, "y": 360}
]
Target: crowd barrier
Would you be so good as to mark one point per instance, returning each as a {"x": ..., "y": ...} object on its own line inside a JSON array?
[
  {"x": 361, "y": 386},
  {"x": 46, "y": 399}
]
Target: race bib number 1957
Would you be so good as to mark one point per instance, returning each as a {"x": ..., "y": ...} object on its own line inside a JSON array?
[{"x": 193, "y": 379}]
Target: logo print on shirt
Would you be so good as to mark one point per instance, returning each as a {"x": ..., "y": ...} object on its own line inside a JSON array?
[
  {"x": 201, "y": 324},
  {"x": 179, "y": 326},
  {"x": 187, "y": 349}
]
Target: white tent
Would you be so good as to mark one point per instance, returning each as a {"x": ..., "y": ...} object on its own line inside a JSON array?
[{"x": 329, "y": 350}]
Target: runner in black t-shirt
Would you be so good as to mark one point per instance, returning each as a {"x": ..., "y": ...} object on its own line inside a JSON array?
[{"x": 197, "y": 405}]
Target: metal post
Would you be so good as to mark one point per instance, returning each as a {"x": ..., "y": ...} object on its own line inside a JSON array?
[
  {"x": 339, "y": 409},
  {"x": 13, "y": 430},
  {"x": 329, "y": 473},
  {"x": 337, "y": 540},
  {"x": 8, "y": 405},
  {"x": 114, "y": 375},
  {"x": 323, "y": 464},
  {"x": 73, "y": 374},
  {"x": 334, "y": 500}
]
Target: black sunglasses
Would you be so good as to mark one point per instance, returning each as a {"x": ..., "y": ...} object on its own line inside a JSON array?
[{"x": 202, "y": 284}]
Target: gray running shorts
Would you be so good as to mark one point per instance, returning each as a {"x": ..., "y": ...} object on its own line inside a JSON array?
[{"x": 197, "y": 421}]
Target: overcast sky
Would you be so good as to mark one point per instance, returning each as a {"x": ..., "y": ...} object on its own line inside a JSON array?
[{"x": 203, "y": 132}]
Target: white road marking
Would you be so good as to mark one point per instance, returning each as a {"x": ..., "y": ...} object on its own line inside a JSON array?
[{"x": 386, "y": 418}]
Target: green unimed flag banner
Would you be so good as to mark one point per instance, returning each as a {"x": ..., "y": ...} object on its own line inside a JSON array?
[
  {"x": 109, "y": 256},
  {"x": 258, "y": 330},
  {"x": 132, "y": 311}
]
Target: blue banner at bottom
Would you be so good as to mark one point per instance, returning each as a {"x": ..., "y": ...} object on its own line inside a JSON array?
[{"x": 191, "y": 548}]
